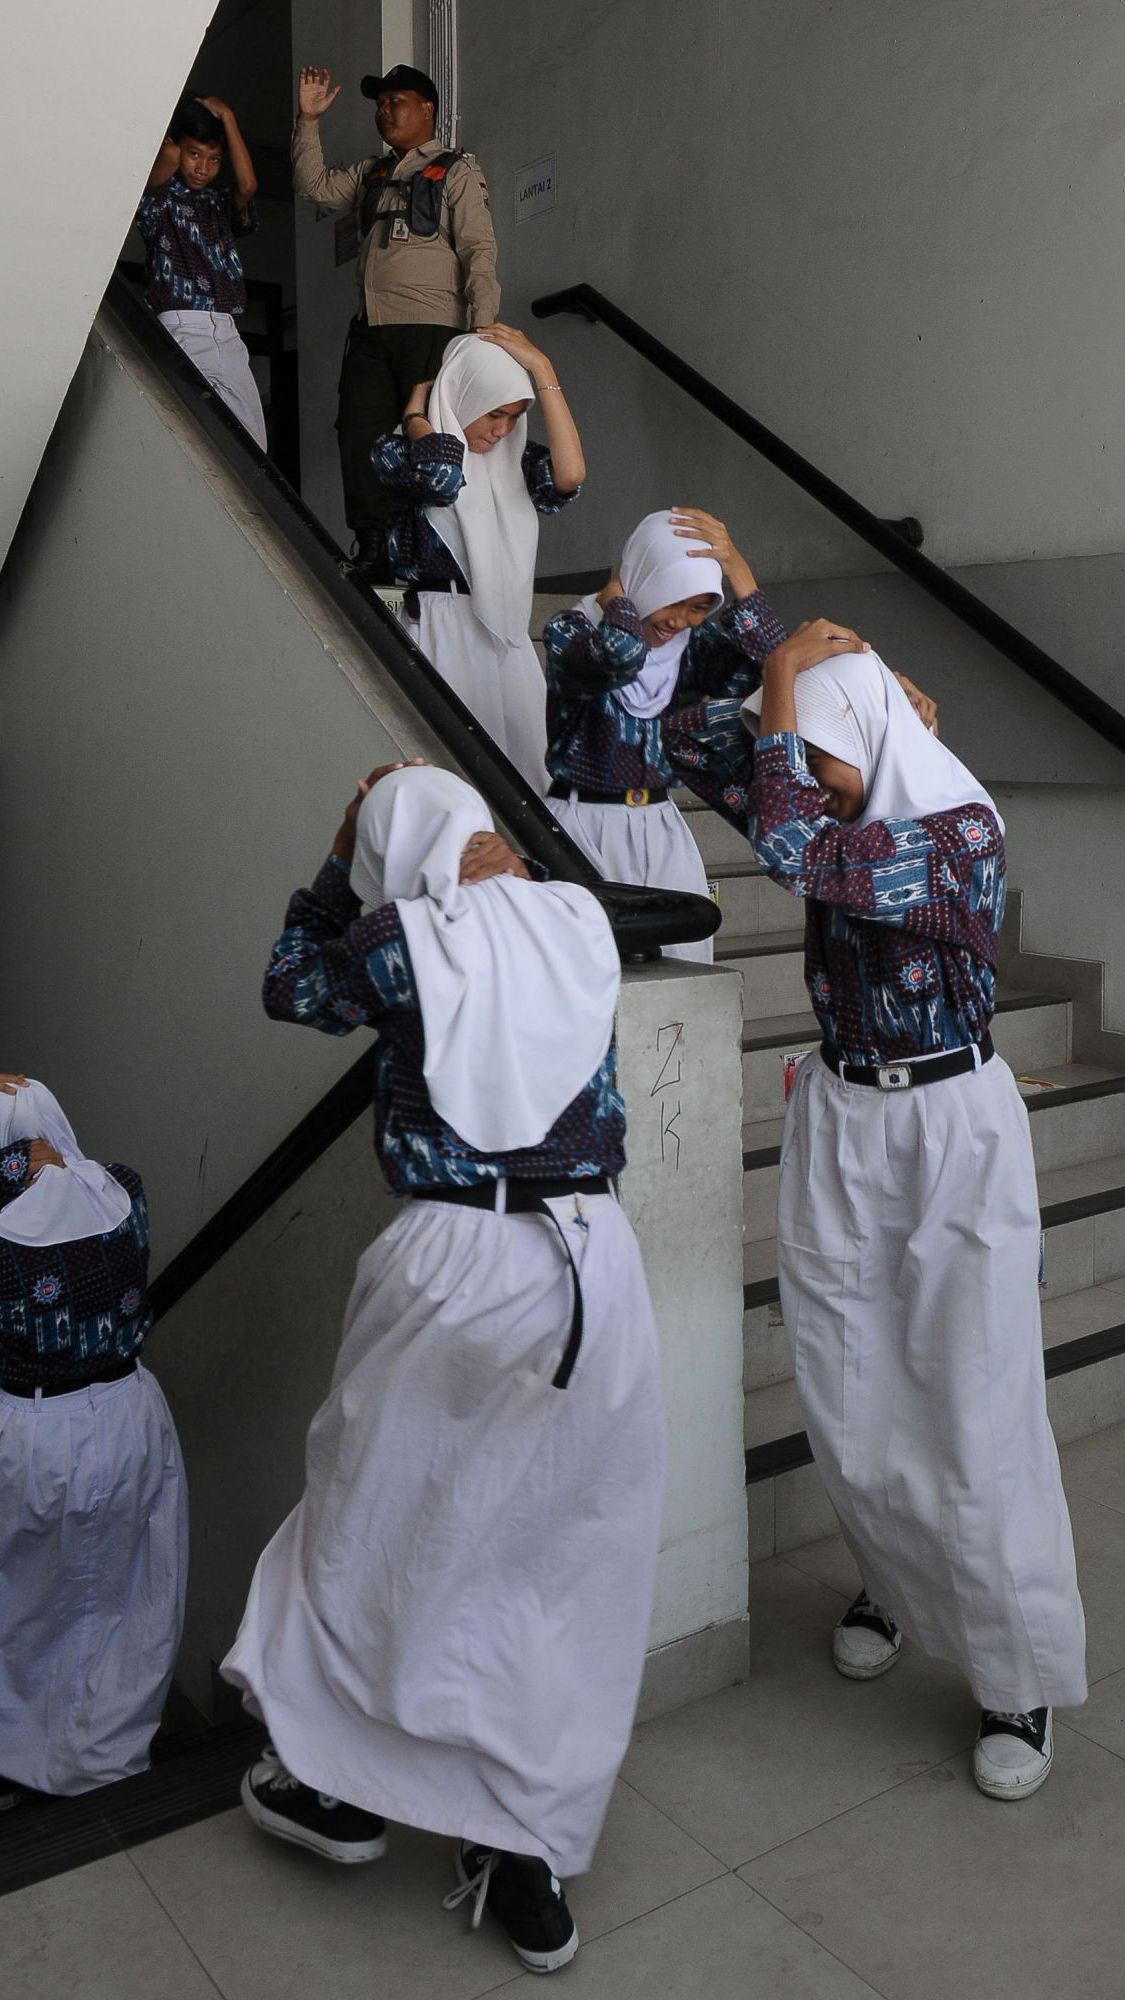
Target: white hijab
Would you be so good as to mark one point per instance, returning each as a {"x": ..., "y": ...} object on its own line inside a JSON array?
[
  {"x": 853, "y": 708},
  {"x": 63, "y": 1203},
  {"x": 492, "y": 528},
  {"x": 517, "y": 981},
  {"x": 656, "y": 570}
]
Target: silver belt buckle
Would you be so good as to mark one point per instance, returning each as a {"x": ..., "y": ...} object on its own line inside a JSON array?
[{"x": 893, "y": 1076}]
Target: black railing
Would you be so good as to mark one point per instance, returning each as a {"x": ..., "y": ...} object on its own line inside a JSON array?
[
  {"x": 888, "y": 539},
  {"x": 643, "y": 919}
]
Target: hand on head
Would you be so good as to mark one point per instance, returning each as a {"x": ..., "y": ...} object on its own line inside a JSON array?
[
  {"x": 344, "y": 843},
  {"x": 43, "y": 1154},
  {"x": 488, "y": 854},
  {"x": 925, "y": 708},
  {"x": 521, "y": 349},
  {"x": 813, "y": 642},
  {"x": 10, "y": 1082},
  {"x": 693, "y": 524}
]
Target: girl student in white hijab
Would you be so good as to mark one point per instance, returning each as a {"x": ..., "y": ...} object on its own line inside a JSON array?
[
  {"x": 618, "y": 663},
  {"x": 449, "y": 1629},
  {"x": 93, "y": 1505},
  {"x": 635, "y": 675},
  {"x": 473, "y": 489},
  {"x": 908, "y": 1217}
]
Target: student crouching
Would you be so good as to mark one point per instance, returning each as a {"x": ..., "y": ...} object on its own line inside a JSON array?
[{"x": 93, "y": 1501}]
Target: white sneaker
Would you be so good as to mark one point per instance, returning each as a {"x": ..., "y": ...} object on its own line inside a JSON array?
[
  {"x": 1013, "y": 1753},
  {"x": 866, "y": 1642}
]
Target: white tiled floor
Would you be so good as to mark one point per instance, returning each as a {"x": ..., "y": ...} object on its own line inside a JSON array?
[{"x": 799, "y": 1838}]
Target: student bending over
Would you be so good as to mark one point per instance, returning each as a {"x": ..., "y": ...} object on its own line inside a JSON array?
[
  {"x": 449, "y": 1629},
  {"x": 93, "y": 1504},
  {"x": 908, "y": 1214}
]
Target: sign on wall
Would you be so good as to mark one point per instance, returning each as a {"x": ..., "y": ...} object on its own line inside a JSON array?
[{"x": 535, "y": 188}]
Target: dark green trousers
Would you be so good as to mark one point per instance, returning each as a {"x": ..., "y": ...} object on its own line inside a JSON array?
[{"x": 381, "y": 366}]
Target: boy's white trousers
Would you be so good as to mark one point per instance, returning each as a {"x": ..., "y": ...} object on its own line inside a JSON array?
[
  {"x": 212, "y": 341},
  {"x": 908, "y": 1238}
]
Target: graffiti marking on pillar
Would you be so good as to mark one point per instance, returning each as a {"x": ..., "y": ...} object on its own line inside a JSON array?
[{"x": 669, "y": 1046}]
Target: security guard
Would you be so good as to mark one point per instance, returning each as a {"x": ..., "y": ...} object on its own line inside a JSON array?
[{"x": 427, "y": 269}]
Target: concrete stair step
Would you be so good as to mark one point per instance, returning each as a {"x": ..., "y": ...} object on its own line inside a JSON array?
[{"x": 772, "y": 967}]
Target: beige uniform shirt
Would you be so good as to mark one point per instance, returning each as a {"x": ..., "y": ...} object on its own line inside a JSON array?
[{"x": 443, "y": 280}]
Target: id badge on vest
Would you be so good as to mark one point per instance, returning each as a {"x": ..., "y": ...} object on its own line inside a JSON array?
[{"x": 400, "y": 230}]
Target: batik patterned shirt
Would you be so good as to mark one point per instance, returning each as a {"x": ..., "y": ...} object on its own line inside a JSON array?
[
  {"x": 430, "y": 472},
  {"x": 189, "y": 236},
  {"x": 592, "y": 740},
  {"x": 902, "y": 917},
  {"x": 68, "y": 1309},
  {"x": 335, "y": 969}
]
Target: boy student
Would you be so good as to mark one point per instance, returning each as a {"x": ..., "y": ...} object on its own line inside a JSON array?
[{"x": 190, "y": 225}]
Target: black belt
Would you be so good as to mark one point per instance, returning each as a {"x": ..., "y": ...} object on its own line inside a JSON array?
[
  {"x": 639, "y": 795},
  {"x": 531, "y": 1198},
  {"x": 913, "y": 1071},
  {"x": 455, "y": 587},
  {"x": 67, "y": 1385}
]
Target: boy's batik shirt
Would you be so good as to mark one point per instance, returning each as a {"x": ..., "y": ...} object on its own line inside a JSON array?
[
  {"x": 429, "y": 472},
  {"x": 335, "y": 969},
  {"x": 595, "y": 743},
  {"x": 68, "y": 1309},
  {"x": 902, "y": 917},
  {"x": 189, "y": 233}
]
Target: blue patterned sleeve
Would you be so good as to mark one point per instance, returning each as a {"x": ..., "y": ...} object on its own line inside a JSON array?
[
  {"x": 428, "y": 471},
  {"x": 594, "y": 658},
  {"x": 941, "y": 876},
  {"x": 15, "y": 1170},
  {"x": 151, "y": 209},
  {"x": 713, "y": 755},
  {"x": 546, "y": 497},
  {"x": 332, "y": 968},
  {"x": 726, "y": 655}
]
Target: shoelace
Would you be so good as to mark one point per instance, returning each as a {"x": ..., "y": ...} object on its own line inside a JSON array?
[
  {"x": 1022, "y": 1720},
  {"x": 280, "y": 1779},
  {"x": 477, "y": 1885}
]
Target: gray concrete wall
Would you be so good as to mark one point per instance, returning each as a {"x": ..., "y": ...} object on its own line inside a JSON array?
[
  {"x": 884, "y": 229},
  {"x": 1066, "y": 852},
  {"x": 247, "y": 1356},
  {"x": 181, "y": 724}
]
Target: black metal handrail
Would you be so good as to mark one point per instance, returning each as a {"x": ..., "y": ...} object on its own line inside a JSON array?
[
  {"x": 1099, "y": 715},
  {"x": 643, "y": 919}
]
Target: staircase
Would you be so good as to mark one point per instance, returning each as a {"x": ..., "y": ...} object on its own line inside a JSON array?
[{"x": 1078, "y": 1132}]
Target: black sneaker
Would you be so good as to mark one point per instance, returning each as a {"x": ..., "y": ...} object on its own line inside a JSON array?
[
  {"x": 1014, "y": 1752},
  {"x": 526, "y": 1900},
  {"x": 279, "y": 1803},
  {"x": 866, "y": 1642}
]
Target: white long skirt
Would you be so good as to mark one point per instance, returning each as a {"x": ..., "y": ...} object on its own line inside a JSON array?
[
  {"x": 450, "y": 1628},
  {"x": 908, "y": 1238},
  {"x": 646, "y": 844},
  {"x": 93, "y": 1569},
  {"x": 503, "y": 686},
  {"x": 212, "y": 341}
]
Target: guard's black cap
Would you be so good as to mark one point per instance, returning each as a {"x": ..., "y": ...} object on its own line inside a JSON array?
[{"x": 401, "y": 77}]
